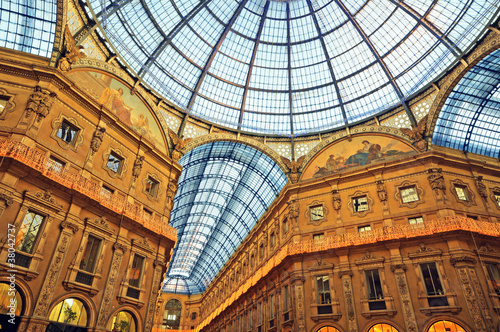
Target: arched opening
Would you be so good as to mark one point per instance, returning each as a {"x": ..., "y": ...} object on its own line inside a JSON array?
[
  {"x": 328, "y": 329},
  {"x": 123, "y": 321},
  {"x": 445, "y": 326},
  {"x": 68, "y": 315},
  {"x": 172, "y": 315},
  {"x": 11, "y": 305},
  {"x": 382, "y": 327}
]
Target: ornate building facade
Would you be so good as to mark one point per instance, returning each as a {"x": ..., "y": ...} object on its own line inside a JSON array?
[{"x": 124, "y": 207}]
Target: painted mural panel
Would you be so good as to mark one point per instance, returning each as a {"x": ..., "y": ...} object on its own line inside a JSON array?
[
  {"x": 116, "y": 97},
  {"x": 360, "y": 151}
]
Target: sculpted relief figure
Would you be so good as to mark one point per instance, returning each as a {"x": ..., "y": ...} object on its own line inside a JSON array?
[
  {"x": 336, "y": 199},
  {"x": 73, "y": 52},
  {"x": 416, "y": 133},
  {"x": 34, "y": 101},
  {"x": 96, "y": 142},
  {"x": 381, "y": 191},
  {"x": 171, "y": 190},
  {"x": 293, "y": 166},
  {"x": 136, "y": 170},
  {"x": 45, "y": 106},
  {"x": 179, "y": 144},
  {"x": 436, "y": 180},
  {"x": 481, "y": 187}
]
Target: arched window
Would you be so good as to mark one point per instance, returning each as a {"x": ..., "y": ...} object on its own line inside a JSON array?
[
  {"x": 123, "y": 321},
  {"x": 328, "y": 329},
  {"x": 444, "y": 325},
  {"x": 7, "y": 308},
  {"x": 172, "y": 315},
  {"x": 70, "y": 311},
  {"x": 383, "y": 328}
]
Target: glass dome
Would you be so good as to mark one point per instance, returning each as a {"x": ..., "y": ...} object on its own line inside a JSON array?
[{"x": 290, "y": 67}]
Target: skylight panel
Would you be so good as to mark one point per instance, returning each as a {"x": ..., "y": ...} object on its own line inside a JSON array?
[
  {"x": 228, "y": 69},
  {"x": 179, "y": 67},
  {"x": 352, "y": 61},
  {"x": 305, "y": 123},
  {"x": 277, "y": 9},
  {"x": 267, "y": 102},
  {"x": 269, "y": 79},
  {"x": 370, "y": 104},
  {"x": 141, "y": 26},
  {"x": 372, "y": 78},
  {"x": 330, "y": 17},
  {"x": 247, "y": 23},
  {"x": 342, "y": 40},
  {"x": 223, "y": 9},
  {"x": 315, "y": 99},
  {"x": 353, "y": 5},
  {"x": 213, "y": 112},
  {"x": 274, "y": 31},
  {"x": 373, "y": 15},
  {"x": 165, "y": 14},
  {"x": 298, "y": 8},
  {"x": 207, "y": 27},
  {"x": 311, "y": 76},
  {"x": 392, "y": 32},
  {"x": 216, "y": 89},
  {"x": 272, "y": 56},
  {"x": 420, "y": 6},
  {"x": 306, "y": 54},
  {"x": 262, "y": 123},
  {"x": 302, "y": 28},
  {"x": 192, "y": 46},
  {"x": 237, "y": 47},
  {"x": 445, "y": 13},
  {"x": 184, "y": 6}
]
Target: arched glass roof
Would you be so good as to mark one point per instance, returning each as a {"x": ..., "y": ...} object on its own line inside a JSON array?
[
  {"x": 290, "y": 67},
  {"x": 224, "y": 189},
  {"x": 28, "y": 25},
  {"x": 470, "y": 118}
]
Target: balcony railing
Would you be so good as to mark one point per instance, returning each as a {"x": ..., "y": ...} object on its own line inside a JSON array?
[
  {"x": 400, "y": 232},
  {"x": 39, "y": 161}
]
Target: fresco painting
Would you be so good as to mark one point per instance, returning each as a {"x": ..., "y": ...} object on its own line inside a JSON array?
[
  {"x": 360, "y": 151},
  {"x": 116, "y": 97}
]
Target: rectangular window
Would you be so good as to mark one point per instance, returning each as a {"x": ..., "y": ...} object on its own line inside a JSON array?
[
  {"x": 55, "y": 165},
  {"x": 28, "y": 232},
  {"x": 151, "y": 186},
  {"x": 285, "y": 225},
  {"x": 497, "y": 197},
  {"x": 433, "y": 285},
  {"x": 364, "y": 230},
  {"x": 3, "y": 103},
  {"x": 107, "y": 191},
  {"x": 272, "y": 240},
  {"x": 114, "y": 162},
  {"x": 259, "y": 312},
  {"x": 323, "y": 284},
  {"x": 360, "y": 204},
  {"x": 416, "y": 221},
  {"x": 90, "y": 254},
  {"x": 461, "y": 192},
  {"x": 409, "y": 194},
  {"x": 318, "y": 236},
  {"x": 374, "y": 287},
  {"x": 250, "y": 319},
  {"x": 67, "y": 132},
  {"x": 494, "y": 277},
  {"x": 136, "y": 271}
]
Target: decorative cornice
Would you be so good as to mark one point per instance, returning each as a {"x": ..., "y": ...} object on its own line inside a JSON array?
[
  {"x": 462, "y": 258},
  {"x": 45, "y": 198},
  {"x": 101, "y": 224},
  {"x": 70, "y": 225},
  {"x": 142, "y": 243},
  {"x": 345, "y": 273}
]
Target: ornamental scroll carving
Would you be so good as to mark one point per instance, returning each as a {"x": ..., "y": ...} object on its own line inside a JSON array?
[
  {"x": 110, "y": 284},
  {"x": 404, "y": 295},
  {"x": 50, "y": 282},
  {"x": 155, "y": 285},
  {"x": 472, "y": 301}
]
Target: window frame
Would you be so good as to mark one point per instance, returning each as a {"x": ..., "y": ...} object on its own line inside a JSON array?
[
  {"x": 368, "y": 204},
  {"x": 408, "y": 184},
  {"x": 402, "y": 190},
  {"x": 122, "y": 168},
  {"x": 141, "y": 271},
  {"x": 96, "y": 253},
  {"x": 71, "y": 122}
]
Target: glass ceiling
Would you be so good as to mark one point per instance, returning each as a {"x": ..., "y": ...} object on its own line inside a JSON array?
[
  {"x": 224, "y": 189},
  {"x": 290, "y": 67},
  {"x": 470, "y": 118},
  {"x": 28, "y": 25}
]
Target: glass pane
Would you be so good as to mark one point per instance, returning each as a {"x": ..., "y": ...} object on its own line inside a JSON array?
[{"x": 28, "y": 231}]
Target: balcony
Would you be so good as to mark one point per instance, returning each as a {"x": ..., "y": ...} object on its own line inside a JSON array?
[{"x": 38, "y": 161}]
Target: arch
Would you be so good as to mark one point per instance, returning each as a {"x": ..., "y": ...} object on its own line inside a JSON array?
[
  {"x": 123, "y": 321},
  {"x": 386, "y": 324},
  {"x": 84, "y": 298},
  {"x": 446, "y": 324},
  {"x": 342, "y": 152},
  {"x": 489, "y": 45},
  {"x": 97, "y": 66},
  {"x": 326, "y": 327},
  {"x": 25, "y": 291},
  {"x": 214, "y": 137},
  {"x": 172, "y": 314},
  {"x": 71, "y": 311},
  {"x": 132, "y": 310},
  {"x": 468, "y": 120}
]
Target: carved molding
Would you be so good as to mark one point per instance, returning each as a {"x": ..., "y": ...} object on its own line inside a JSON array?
[
  {"x": 11, "y": 105},
  {"x": 44, "y": 198},
  {"x": 101, "y": 224},
  {"x": 404, "y": 184},
  {"x": 73, "y": 227},
  {"x": 469, "y": 194},
  {"x": 143, "y": 244},
  {"x": 369, "y": 259},
  {"x": 424, "y": 251},
  {"x": 7, "y": 199}
]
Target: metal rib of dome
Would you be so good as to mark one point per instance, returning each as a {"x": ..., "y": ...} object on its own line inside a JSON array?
[
  {"x": 224, "y": 189},
  {"x": 470, "y": 118},
  {"x": 291, "y": 67}
]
